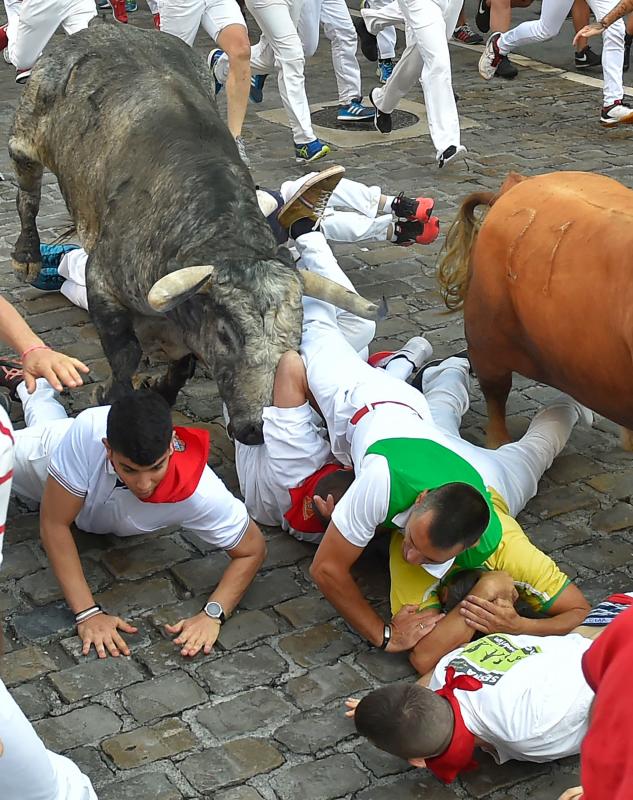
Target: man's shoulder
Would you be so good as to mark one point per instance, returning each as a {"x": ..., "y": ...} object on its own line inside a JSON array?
[{"x": 88, "y": 429}]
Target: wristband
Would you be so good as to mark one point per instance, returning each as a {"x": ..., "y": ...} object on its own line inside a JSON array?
[
  {"x": 82, "y": 616},
  {"x": 386, "y": 637},
  {"x": 32, "y": 349}
]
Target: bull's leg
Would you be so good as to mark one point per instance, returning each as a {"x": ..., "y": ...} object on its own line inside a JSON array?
[
  {"x": 496, "y": 389},
  {"x": 626, "y": 439},
  {"x": 26, "y": 255},
  {"x": 178, "y": 373}
]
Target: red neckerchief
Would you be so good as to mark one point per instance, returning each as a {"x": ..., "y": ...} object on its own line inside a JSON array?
[
  {"x": 458, "y": 755},
  {"x": 301, "y": 514},
  {"x": 186, "y": 464}
]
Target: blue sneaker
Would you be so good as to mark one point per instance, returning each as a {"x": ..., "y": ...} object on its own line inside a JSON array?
[
  {"x": 212, "y": 60},
  {"x": 312, "y": 151},
  {"x": 384, "y": 69},
  {"x": 355, "y": 112},
  {"x": 103, "y": 4},
  {"x": 256, "y": 93},
  {"x": 131, "y": 6},
  {"x": 49, "y": 279}
]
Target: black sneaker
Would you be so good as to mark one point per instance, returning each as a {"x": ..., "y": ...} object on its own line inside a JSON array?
[
  {"x": 482, "y": 17},
  {"x": 382, "y": 121},
  {"x": 11, "y": 375},
  {"x": 628, "y": 41},
  {"x": 586, "y": 59},
  {"x": 451, "y": 153},
  {"x": 506, "y": 69},
  {"x": 368, "y": 42}
]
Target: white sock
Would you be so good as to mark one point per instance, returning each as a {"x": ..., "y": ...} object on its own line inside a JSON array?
[
  {"x": 388, "y": 202},
  {"x": 400, "y": 368}
]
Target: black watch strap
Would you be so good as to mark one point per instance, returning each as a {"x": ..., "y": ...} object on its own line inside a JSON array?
[{"x": 386, "y": 637}]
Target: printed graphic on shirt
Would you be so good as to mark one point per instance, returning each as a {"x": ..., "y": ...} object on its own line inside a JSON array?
[{"x": 489, "y": 658}]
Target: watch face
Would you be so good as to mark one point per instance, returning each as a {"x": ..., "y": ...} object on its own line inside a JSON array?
[{"x": 214, "y": 610}]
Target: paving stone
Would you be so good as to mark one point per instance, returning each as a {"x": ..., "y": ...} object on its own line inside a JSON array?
[
  {"x": 616, "y": 484},
  {"x": 386, "y": 667},
  {"x": 33, "y": 698},
  {"x": 161, "y": 657},
  {"x": 239, "y": 793},
  {"x": 25, "y": 527},
  {"x": 414, "y": 786},
  {"x": 82, "y": 726},
  {"x": 144, "y": 745},
  {"x": 140, "y": 560},
  {"x": 43, "y": 622},
  {"x": 19, "y": 560},
  {"x": 319, "y": 645},
  {"x": 90, "y": 762},
  {"x": 168, "y": 694},
  {"x": 596, "y": 589},
  {"x": 324, "y": 779},
  {"x": 550, "y": 786},
  {"x": 234, "y": 672},
  {"x": 615, "y": 518},
  {"x": 270, "y": 588},
  {"x": 43, "y": 587},
  {"x": 9, "y": 601},
  {"x": 202, "y": 574},
  {"x": 94, "y": 677},
  {"x": 324, "y": 684},
  {"x": 491, "y": 777},
  {"x": 602, "y": 553},
  {"x": 131, "y": 598},
  {"x": 311, "y": 732},
  {"x": 560, "y": 501},
  {"x": 306, "y": 610},
  {"x": 149, "y": 786},
  {"x": 550, "y": 535},
  {"x": 378, "y": 762},
  {"x": 284, "y": 549},
  {"x": 571, "y": 467},
  {"x": 233, "y": 762},
  {"x": 245, "y": 713},
  {"x": 25, "y": 664},
  {"x": 246, "y": 627}
]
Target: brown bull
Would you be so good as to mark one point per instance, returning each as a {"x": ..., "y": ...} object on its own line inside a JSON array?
[{"x": 544, "y": 282}]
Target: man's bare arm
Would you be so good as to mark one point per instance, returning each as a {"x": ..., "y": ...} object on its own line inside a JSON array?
[{"x": 616, "y": 13}]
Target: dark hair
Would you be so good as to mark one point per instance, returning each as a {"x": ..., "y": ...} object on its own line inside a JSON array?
[
  {"x": 457, "y": 586},
  {"x": 334, "y": 483},
  {"x": 460, "y": 515},
  {"x": 406, "y": 720},
  {"x": 140, "y": 426}
]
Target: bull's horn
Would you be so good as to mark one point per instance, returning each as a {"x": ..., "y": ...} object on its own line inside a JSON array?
[
  {"x": 178, "y": 286},
  {"x": 266, "y": 202},
  {"x": 331, "y": 292}
]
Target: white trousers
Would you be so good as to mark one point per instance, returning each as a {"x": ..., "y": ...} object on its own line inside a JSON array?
[
  {"x": 553, "y": 14},
  {"x": 280, "y": 49},
  {"x": 28, "y": 771},
  {"x": 183, "y": 18},
  {"x": 46, "y": 425},
  {"x": 387, "y": 36},
  {"x": 339, "y": 29},
  {"x": 153, "y": 6},
  {"x": 73, "y": 267},
  {"x": 362, "y": 223},
  {"x": 428, "y": 26},
  {"x": 37, "y": 22},
  {"x": 515, "y": 469},
  {"x": 12, "y": 10}
]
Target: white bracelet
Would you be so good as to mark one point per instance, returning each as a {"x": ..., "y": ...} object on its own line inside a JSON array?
[{"x": 88, "y": 614}]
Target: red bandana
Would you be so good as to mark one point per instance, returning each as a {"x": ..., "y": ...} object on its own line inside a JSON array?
[
  {"x": 301, "y": 514},
  {"x": 458, "y": 755},
  {"x": 187, "y": 462}
]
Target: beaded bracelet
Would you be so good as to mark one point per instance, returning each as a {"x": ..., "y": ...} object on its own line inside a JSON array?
[{"x": 32, "y": 348}]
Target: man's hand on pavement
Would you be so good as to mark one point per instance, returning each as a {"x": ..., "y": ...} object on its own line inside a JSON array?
[
  {"x": 351, "y": 703},
  {"x": 487, "y": 617},
  {"x": 195, "y": 633},
  {"x": 410, "y": 625},
  {"x": 102, "y": 631}
]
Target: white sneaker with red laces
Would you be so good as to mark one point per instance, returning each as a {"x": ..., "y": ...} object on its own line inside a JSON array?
[{"x": 616, "y": 114}]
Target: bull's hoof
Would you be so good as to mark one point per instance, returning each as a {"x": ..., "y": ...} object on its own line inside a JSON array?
[{"x": 26, "y": 271}]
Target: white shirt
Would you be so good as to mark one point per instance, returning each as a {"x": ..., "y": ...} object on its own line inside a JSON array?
[
  {"x": 295, "y": 447},
  {"x": 81, "y": 466},
  {"x": 534, "y": 704},
  {"x": 6, "y": 468}
]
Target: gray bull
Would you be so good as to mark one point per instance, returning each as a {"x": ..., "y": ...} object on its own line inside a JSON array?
[{"x": 178, "y": 248}]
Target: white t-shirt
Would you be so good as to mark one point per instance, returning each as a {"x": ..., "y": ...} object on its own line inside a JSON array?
[
  {"x": 81, "y": 466},
  {"x": 295, "y": 447},
  {"x": 534, "y": 704}
]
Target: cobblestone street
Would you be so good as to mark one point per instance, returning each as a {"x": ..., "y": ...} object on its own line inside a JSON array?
[{"x": 262, "y": 717}]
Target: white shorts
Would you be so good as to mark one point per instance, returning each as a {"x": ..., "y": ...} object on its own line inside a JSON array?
[{"x": 182, "y": 18}]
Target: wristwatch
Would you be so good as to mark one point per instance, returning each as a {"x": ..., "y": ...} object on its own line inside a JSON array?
[
  {"x": 215, "y": 611},
  {"x": 386, "y": 637}
]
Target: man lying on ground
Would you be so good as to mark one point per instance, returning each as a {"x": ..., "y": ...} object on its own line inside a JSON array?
[
  {"x": 517, "y": 697},
  {"x": 124, "y": 469},
  {"x": 454, "y": 501}
]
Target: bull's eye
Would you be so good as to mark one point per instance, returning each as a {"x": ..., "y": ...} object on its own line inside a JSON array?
[{"x": 223, "y": 332}]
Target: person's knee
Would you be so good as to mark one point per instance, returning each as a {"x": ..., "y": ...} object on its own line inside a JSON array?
[
  {"x": 236, "y": 45},
  {"x": 291, "y": 384}
]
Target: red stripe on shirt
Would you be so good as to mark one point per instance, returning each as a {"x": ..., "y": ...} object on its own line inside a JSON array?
[
  {"x": 7, "y": 432},
  {"x": 6, "y": 477}
]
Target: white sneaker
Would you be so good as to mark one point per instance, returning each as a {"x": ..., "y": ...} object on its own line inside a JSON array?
[
  {"x": 451, "y": 153},
  {"x": 616, "y": 114},
  {"x": 417, "y": 351},
  {"x": 585, "y": 415},
  {"x": 490, "y": 57}
]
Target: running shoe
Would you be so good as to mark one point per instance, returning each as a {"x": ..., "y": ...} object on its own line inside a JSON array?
[
  {"x": 311, "y": 151},
  {"x": 384, "y": 69},
  {"x": 482, "y": 17},
  {"x": 131, "y": 6},
  {"x": 616, "y": 114},
  {"x": 409, "y": 208},
  {"x": 11, "y": 376},
  {"x": 466, "y": 35},
  {"x": 451, "y": 153},
  {"x": 355, "y": 111},
  {"x": 256, "y": 92},
  {"x": 212, "y": 60},
  {"x": 586, "y": 59},
  {"x": 382, "y": 121},
  {"x": 408, "y": 233},
  {"x": 119, "y": 10}
]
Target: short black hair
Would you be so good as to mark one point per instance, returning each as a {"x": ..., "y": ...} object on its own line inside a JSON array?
[
  {"x": 458, "y": 586},
  {"x": 334, "y": 483},
  {"x": 460, "y": 515},
  {"x": 140, "y": 426},
  {"x": 406, "y": 720}
]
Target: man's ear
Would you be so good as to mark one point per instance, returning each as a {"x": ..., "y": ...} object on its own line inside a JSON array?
[
  {"x": 421, "y": 497},
  {"x": 418, "y": 762},
  {"x": 106, "y": 444}
]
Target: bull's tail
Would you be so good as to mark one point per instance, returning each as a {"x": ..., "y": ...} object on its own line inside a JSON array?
[{"x": 453, "y": 271}]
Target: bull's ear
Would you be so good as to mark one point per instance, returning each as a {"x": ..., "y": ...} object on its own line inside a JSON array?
[{"x": 176, "y": 287}]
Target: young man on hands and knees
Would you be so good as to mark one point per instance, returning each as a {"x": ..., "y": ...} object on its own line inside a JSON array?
[{"x": 126, "y": 470}]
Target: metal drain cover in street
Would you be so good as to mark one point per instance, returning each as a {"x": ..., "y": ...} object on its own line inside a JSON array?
[{"x": 326, "y": 117}]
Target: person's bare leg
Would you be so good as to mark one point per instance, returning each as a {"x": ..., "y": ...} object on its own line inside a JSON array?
[
  {"x": 290, "y": 389},
  {"x": 580, "y": 17},
  {"x": 234, "y": 41}
]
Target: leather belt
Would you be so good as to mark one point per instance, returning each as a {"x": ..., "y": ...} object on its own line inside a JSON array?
[{"x": 370, "y": 407}]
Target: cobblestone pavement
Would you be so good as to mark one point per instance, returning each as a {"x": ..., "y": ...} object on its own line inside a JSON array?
[{"x": 262, "y": 716}]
